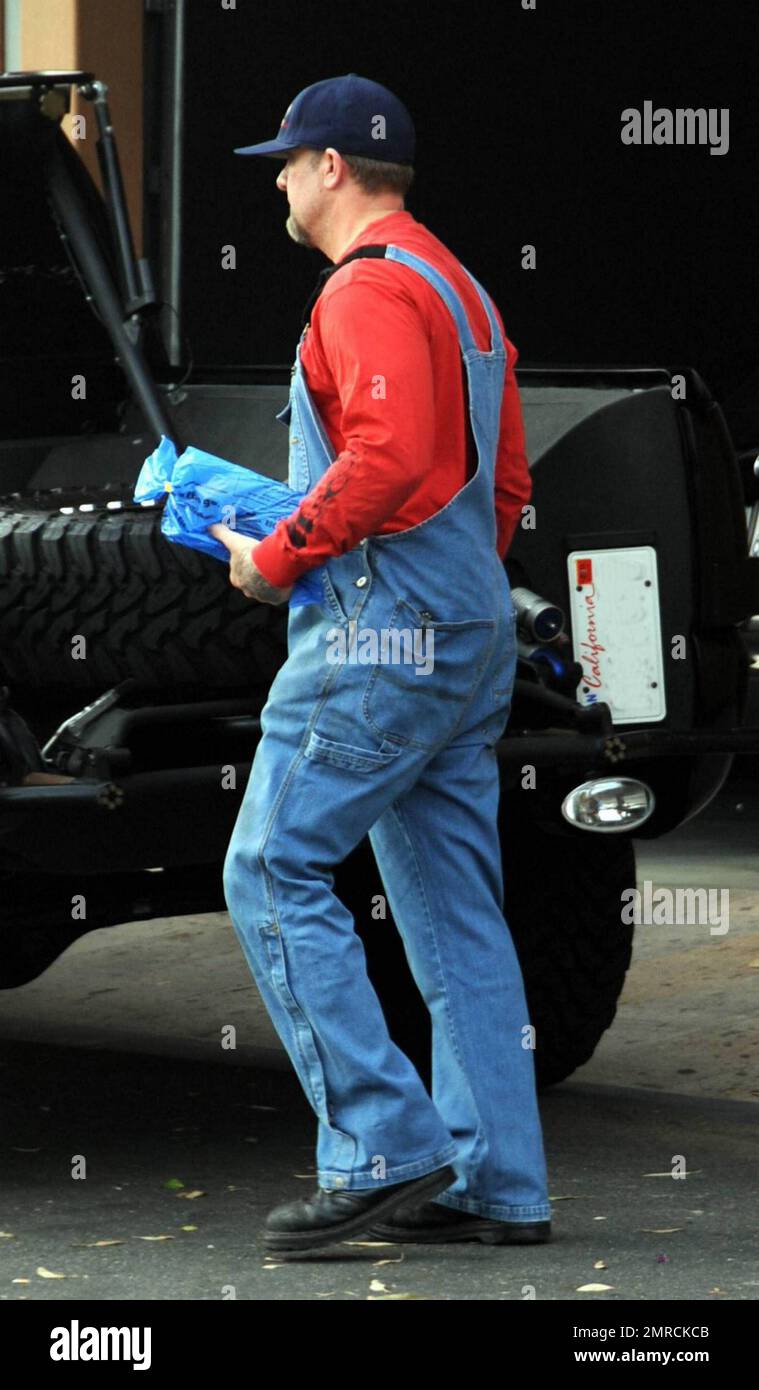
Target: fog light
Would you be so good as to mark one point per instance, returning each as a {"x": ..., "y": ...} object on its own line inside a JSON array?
[{"x": 609, "y": 803}]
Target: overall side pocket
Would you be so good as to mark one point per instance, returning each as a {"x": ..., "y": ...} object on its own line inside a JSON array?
[{"x": 347, "y": 755}]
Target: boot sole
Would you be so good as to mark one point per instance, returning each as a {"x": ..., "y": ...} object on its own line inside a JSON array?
[
  {"x": 398, "y": 1195},
  {"x": 487, "y": 1233}
]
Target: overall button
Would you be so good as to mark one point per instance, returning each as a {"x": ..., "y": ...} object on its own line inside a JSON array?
[{"x": 361, "y": 582}]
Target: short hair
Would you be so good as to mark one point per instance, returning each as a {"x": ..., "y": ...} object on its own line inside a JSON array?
[{"x": 375, "y": 175}]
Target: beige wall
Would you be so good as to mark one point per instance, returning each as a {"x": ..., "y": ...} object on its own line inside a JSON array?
[{"x": 103, "y": 37}]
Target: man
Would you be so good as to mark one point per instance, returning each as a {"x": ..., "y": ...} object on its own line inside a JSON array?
[{"x": 406, "y": 434}]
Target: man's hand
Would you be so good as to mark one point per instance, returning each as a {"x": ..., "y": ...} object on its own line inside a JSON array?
[{"x": 243, "y": 573}]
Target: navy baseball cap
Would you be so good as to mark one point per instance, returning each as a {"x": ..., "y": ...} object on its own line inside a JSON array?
[{"x": 350, "y": 114}]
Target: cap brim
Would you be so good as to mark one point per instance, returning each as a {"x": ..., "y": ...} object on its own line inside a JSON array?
[{"x": 273, "y": 148}]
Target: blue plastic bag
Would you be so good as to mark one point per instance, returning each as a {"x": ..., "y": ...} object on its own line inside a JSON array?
[{"x": 201, "y": 489}]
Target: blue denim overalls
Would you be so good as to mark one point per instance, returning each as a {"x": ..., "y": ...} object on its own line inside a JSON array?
[{"x": 373, "y": 744}]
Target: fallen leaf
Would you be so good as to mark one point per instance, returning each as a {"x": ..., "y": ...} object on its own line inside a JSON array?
[
  {"x": 753, "y": 965},
  {"x": 380, "y": 1297},
  {"x": 156, "y": 1237},
  {"x": 661, "y": 1230},
  {"x": 48, "y": 1273},
  {"x": 174, "y": 1183},
  {"x": 7, "y": 1235},
  {"x": 189, "y": 1228},
  {"x": 600, "y": 1264},
  {"x": 190, "y": 1196},
  {"x": 594, "y": 1288},
  {"x": 28, "y": 1281},
  {"x": 377, "y": 1286},
  {"x": 93, "y": 1244},
  {"x": 399, "y": 1260},
  {"x": 670, "y": 1174},
  {"x": 574, "y": 1197}
]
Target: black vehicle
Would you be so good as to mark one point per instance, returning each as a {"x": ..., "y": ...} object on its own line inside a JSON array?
[{"x": 133, "y": 675}]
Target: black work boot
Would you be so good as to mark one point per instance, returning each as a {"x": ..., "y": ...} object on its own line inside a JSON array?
[
  {"x": 429, "y": 1223},
  {"x": 331, "y": 1214}
]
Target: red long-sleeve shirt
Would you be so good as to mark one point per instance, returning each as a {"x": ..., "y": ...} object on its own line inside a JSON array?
[{"x": 382, "y": 362}]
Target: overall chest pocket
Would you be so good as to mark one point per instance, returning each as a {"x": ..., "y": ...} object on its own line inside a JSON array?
[{"x": 425, "y": 670}]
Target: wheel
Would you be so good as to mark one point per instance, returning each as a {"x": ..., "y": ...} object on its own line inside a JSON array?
[
  {"x": 563, "y": 906},
  {"x": 39, "y": 926},
  {"x": 145, "y": 607},
  {"x": 26, "y": 957},
  {"x": 34, "y": 936}
]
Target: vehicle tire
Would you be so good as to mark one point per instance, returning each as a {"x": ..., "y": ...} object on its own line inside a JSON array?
[
  {"x": 26, "y": 956},
  {"x": 39, "y": 926},
  {"x": 147, "y": 608},
  {"x": 563, "y": 906}
]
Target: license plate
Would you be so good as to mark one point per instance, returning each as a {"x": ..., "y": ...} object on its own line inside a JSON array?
[{"x": 616, "y": 631}]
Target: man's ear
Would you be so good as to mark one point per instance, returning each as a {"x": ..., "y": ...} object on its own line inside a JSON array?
[{"x": 338, "y": 168}]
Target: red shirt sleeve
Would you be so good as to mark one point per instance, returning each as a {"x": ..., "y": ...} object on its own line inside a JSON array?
[{"x": 375, "y": 345}]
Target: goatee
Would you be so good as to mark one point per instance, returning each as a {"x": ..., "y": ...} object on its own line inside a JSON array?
[{"x": 297, "y": 232}]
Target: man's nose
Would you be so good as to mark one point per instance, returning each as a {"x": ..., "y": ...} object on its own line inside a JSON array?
[{"x": 281, "y": 181}]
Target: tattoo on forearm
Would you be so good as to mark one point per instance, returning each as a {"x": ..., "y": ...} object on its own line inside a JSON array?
[{"x": 258, "y": 587}]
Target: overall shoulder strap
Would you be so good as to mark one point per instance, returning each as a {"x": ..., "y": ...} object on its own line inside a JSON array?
[
  {"x": 381, "y": 251},
  {"x": 451, "y": 297},
  {"x": 377, "y": 251}
]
